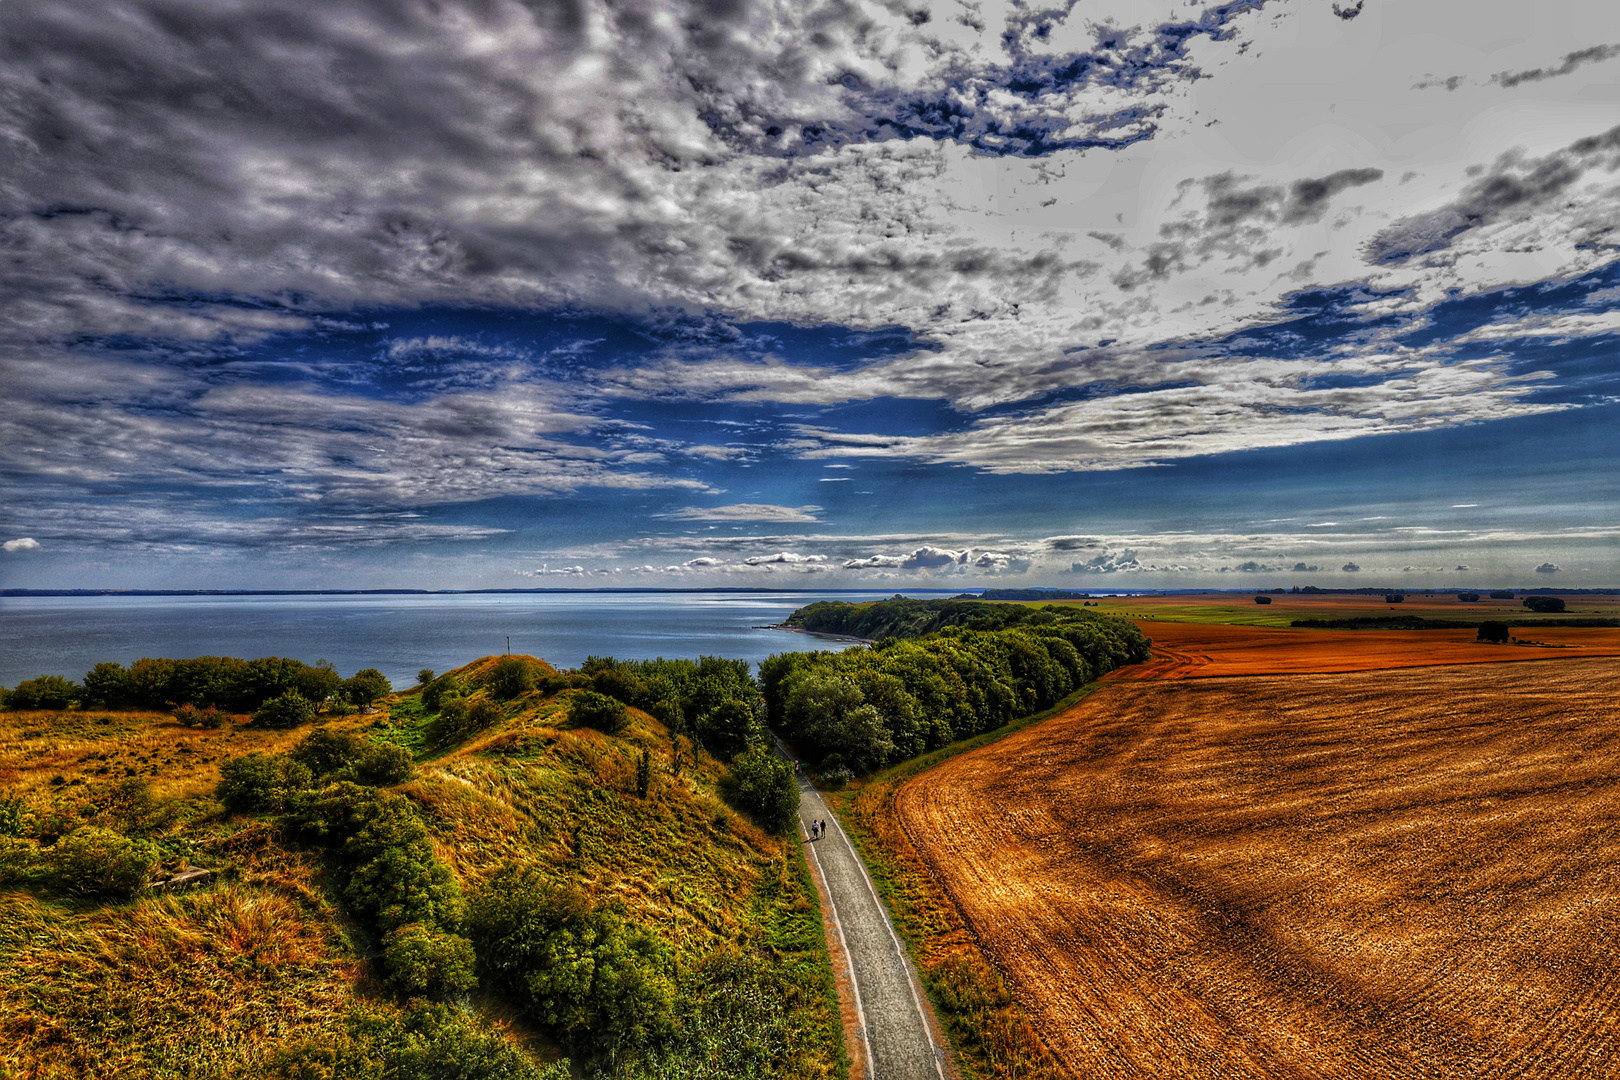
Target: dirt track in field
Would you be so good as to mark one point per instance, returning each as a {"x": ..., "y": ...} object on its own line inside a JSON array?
[
  {"x": 1209, "y": 650},
  {"x": 1410, "y": 873}
]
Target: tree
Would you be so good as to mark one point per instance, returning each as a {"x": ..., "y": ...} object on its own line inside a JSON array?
[
  {"x": 424, "y": 676},
  {"x": 366, "y": 686},
  {"x": 510, "y": 677},
  {"x": 644, "y": 773},
  {"x": 728, "y": 729},
  {"x": 45, "y": 692},
  {"x": 1496, "y": 632},
  {"x": 1544, "y": 603},
  {"x": 593, "y": 710},
  {"x": 581, "y": 973},
  {"x": 287, "y": 711},
  {"x": 107, "y": 685},
  {"x": 761, "y": 785}
]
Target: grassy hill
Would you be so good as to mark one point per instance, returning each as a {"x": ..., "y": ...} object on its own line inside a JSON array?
[{"x": 285, "y": 962}]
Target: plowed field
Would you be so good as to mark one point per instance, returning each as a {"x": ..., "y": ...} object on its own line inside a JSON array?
[
  {"x": 1383, "y": 874},
  {"x": 1204, "y": 650}
]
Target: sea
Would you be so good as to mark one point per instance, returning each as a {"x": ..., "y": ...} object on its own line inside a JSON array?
[{"x": 399, "y": 634}]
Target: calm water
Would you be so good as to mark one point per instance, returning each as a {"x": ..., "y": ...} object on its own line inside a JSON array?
[{"x": 396, "y": 634}]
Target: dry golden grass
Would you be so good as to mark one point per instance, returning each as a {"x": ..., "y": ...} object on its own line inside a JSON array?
[{"x": 1395, "y": 874}]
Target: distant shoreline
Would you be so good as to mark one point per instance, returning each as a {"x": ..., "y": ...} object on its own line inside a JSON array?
[{"x": 850, "y": 638}]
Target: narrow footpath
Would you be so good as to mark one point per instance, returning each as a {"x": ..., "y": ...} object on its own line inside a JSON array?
[{"x": 895, "y": 1040}]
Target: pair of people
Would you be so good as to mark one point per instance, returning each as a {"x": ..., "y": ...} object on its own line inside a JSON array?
[{"x": 818, "y": 829}]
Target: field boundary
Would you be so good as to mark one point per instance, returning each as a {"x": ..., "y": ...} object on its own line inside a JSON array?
[{"x": 990, "y": 1036}]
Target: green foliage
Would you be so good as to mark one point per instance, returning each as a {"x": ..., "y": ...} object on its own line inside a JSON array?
[
  {"x": 730, "y": 727},
  {"x": 424, "y": 677},
  {"x": 366, "y": 686},
  {"x": 422, "y": 960},
  {"x": 644, "y": 773},
  {"x": 590, "y": 709},
  {"x": 510, "y": 677},
  {"x": 254, "y": 783},
  {"x": 344, "y": 755},
  {"x": 762, "y": 785},
  {"x": 460, "y": 717},
  {"x": 861, "y": 708},
  {"x": 45, "y": 692},
  {"x": 621, "y": 685},
  {"x": 98, "y": 863},
  {"x": 900, "y": 617},
  {"x": 426, "y": 1042},
  {"x": 434, "y": 693},
  {"x": 714, "y": 699},
  {"x": 581, "y": 973},
  {"x": 106, "y": 685},
  {"x": 287, "y": 711}
]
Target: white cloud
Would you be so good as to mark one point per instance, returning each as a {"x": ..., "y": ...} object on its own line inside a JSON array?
[
  {"x": 926, "y": 557},
  {"x": 746, "y": 512},
  {"x": 787, "y": 558},
  {"x": 25, "y": 543}
]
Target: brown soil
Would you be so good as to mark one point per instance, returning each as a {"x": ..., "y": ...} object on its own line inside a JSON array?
[
  {"x": 1207, "y": 650},
  {"x": 1380, "y": 874}
]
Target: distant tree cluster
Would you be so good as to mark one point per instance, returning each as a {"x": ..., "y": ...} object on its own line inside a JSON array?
[
  {"x": 1468, "y": 597},
  {"x": 902, "y": 617},
  {"x": 712, "y": 700},
  {"x": 1502, "y": 594},
  {"x": 1495, "y": 632},
  {"x": 199, "y": 689},
  {"x": 1544, "y": 603},
  {"x": 862, "y": 708},
  {"x": 1262, "y": 599}
]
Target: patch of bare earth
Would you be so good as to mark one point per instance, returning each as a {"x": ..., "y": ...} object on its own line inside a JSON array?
[{"x": 1409, "y": 873}]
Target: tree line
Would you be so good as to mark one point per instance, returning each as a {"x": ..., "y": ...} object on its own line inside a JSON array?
[
  {"x": 858, "y": 710},
  {"x": 903, "y": 617}
]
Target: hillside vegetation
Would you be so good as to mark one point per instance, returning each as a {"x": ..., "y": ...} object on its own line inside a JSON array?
[
  {"x": 505, "y": 866},
  {"x": 858, "y": 710},
  {"x": 902, "y": 617}
]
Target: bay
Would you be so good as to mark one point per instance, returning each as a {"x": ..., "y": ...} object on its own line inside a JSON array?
[{"x": 397, "y": 634}]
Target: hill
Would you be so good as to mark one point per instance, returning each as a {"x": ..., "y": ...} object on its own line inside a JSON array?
[
  {"x": 375, "y": 882},
  {"x": 902, "y": 617}
]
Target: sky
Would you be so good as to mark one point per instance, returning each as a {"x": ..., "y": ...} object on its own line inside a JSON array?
[{"x": 1107, "y": 295}]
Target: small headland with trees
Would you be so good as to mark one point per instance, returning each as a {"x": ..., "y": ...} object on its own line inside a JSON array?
[{"x": 261, "y": 869}]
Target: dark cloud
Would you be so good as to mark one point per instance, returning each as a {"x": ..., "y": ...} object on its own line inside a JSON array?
[
  {"x": 1516, "y": 185},
  {"x": 1109, "y": 562},
  {"x": 1572, "y": 61},
  {"x": 1239, "y": 222},
  {"x": 1349, "y": 11},
  {"x": 1548, "y": 568},
  {"x": 1301, "y": 568},
  {"x": 1350, "y": 568}
]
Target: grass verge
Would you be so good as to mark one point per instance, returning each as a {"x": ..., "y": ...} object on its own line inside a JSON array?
[{"x": 992, "y": 1037}]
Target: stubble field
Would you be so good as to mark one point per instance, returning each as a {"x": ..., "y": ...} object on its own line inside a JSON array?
[{"x": 1409, "y": 873}]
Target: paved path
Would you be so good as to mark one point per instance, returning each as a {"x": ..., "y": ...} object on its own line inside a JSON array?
[{"x": 895, "y": 1038}]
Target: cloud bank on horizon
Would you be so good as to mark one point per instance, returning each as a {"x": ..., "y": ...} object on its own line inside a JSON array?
[{"x": 488, "y": 293}]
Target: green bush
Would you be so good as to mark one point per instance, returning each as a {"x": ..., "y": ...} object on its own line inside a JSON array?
[
  {"x": 344, "y": 755},
  {"x": 106, "y": 685},
  {"x": 366, "y": 686},
  {"x": 510, "y": 677},
  {"x": 45, "y": 692},
  {"x": 420, "y": 959},
  {"x": 287, "y": 711},
  {"x": 620, "y": 685},
  {"x": 254, "y": 783},
  {"x": 593, "y": 710},
  {"x": 762, "y": 785},
  {"x": 426, "y": 1042},
  {"x": 729, "y": 728},
  {"x": 459, "y": 718},
  {"x": 95, "y": 862},
  {"x": 582, "y": 974}
]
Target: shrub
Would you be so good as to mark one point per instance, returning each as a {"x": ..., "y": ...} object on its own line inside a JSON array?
[
  {"x": 556, "y": 684},
  {"x": 420, "y": 959},
  {"x": 45, "y": 692},
  {"x": 287, "y": 711},
  {"x": 459, "y": 718},
  {"x": 344, "y": 755},
  {"x": 728, "y": 729},
  {"x": 434, "y": 693},
  {"x": 644, "y": 773},
  {"x": 106, "y": 685},
  {"x": 1262, "y": 599},
  {"x": 620, "y": 685},
  {"x": 95, "y": 862},
  {"x": 319, "y": 683},
  {"x": 258, "y": 782},
  {"x": 1534, "y": 603},
  {"x": 1395, "y": 598},
  {"x": 191, "y": 716},
  {"x": 510, "y": 677},
  {"x": 366, "y": 686},
  {"x": 762, "y": 785},
  {"x": 668, "y": 712},
  {"x": 582, "y": 974},
  {"x": 593, "y": 710},
  {"x": 1468, "y": 597},
  {"x": 1493, "y": 631}
]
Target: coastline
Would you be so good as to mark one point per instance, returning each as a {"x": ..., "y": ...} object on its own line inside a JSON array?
[{"x": 849, "y": 638}]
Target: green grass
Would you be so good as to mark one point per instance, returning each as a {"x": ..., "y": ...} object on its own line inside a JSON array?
[{"x": 266, "y": 957}]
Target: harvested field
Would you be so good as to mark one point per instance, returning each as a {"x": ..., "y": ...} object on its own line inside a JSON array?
[
  {"x": 1187, "y": 650},
  {"x": 1382, "y": 874}
]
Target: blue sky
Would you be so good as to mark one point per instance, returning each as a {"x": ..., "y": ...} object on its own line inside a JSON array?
[{"x": 1107, "y": 296}]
